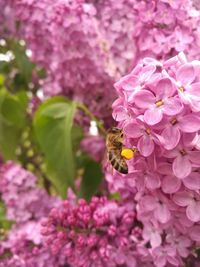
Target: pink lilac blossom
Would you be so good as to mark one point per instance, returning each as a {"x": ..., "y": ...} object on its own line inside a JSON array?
[
  {"x": 26, "y": 205},
  {"x": 165, "y": 28},
  {"x": 21, "y": 195},
  {"x": 116, "y": 24},
  {"x": 22, "y": 252},
  {"x": 99, "y": 233},
  {"x": 94, "y": 146},
  {"x": 7, "y": 21},
  {"x": 160, "y": 117},
  {"x": 81, "y": 45}
]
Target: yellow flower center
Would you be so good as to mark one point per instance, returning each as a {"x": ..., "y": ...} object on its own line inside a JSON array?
[
  {"x": 159, "y": 103},
  {"x": 128, "y": 153},
  {"x": 181, "y": 89}
]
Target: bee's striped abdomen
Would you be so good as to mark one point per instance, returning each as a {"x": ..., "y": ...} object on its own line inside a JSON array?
[{"x": 117, "y": 161}]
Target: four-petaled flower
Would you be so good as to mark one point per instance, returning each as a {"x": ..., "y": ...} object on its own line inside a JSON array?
[{"x": 159, "y": 101}]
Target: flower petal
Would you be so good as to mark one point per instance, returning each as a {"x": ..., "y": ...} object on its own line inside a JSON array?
[
  {"x": 195, "y": 157},
  {"x": 192, "y": 181},
  {"x": 162, "y": 213},
  {"x": 195, "y": 233},
  {"x": 170, "y": 184},
  {"x": 186, "y": 74},
  {"x": 120, "y": 113},
  {"x": 155, "y": 239},
  {"x": 152, "y": 181},
  {"x": 172, "y": 106},
  {"x": 181, "y": 166},
  {"x": 153, "y": 116},
  {"x": 164, "y": 88},
  {"x": 144, "y": 98},
  {"x": 145, "y": 146},
  {"x": 194, "y": 90},
  {"x": 182, "y": 198},
  {"x": 148, "y": 203},
  {"x": 189, "y": 123},
  {"x": 165, "y": 168},
  {"x": 160, "y": 261},
  {"x": 171, "y": 136},
  {"x": 147, "y": 71},
  {"x": 133, "y": 130},
  {"x": 193, "y": 211}
]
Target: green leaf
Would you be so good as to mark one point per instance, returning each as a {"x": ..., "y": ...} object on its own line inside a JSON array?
[
  {"x": 12, "y": 121},
  {"x": 12, "y": 109},
  {"x": 77, "y": 136},
  {"x": 53, "y": 128},
  {"x": 91, "y": 180},
  {"x": 2, "y": 79},
  {"x": 22, "y": 61}
]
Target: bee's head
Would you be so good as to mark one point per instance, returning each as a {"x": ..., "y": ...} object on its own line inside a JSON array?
[{"x": 116, "y": 131}]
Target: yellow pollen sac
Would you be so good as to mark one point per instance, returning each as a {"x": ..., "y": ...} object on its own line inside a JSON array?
[
  {"x": 159, "y": 103},
  {"x": 181, "y": 89},
  {"x": 127, "y": 153}
]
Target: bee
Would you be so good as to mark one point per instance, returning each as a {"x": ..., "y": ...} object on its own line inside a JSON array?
[{"x": 114, "y": 145}]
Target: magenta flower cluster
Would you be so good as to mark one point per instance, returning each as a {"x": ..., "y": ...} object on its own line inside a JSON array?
[
  {"x": 165, "y": 28},
  {"x": 85, "y": 46},
  {"x": 100, "y": 233},
  {"x": 75, "y": 42},
  {"x": 7, "y": 23},
  {"x": 158, "y": 108},
  {"x": 26, "y": 205}
]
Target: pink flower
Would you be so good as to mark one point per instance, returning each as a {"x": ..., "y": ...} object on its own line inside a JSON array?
[
  {"x": 157, "y": 205},
  {"x": 185, "y": 159},
  {"x": 181, "y": 39},
  {"x": 181, "y": 243},
  {"x": 133, "y": 82},
  {"x": 192, "y": 181},
  {"x": 191, "y": 201},
  {"x": 170, "y": 184},
  {"x": 165, "y": 129},
  {"x": 163, "y": 255},
  {"x": 158, "y": 102},
  {"x": 188, "y": 89},
  {"x": 171, "y": 134},
  {"x": 145, "y": 176},
  {"x": 145, "y": 135},
  {"x": 94, "y": 146},
  {"x": 152, "y": 234},
  {"x": 194, "y": 233}
]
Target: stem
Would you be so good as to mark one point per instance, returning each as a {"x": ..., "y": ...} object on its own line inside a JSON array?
[{"x": 92, "y": 117}]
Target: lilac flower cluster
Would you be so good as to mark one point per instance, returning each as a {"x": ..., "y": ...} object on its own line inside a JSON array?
[
  {"x": 21, "y": 195},
  {"x": 94, "y": 146},
  {"x": 116, "y": 22},
  {"x": 23, "y": 253},
  {"x": 158, "y": 108},
  {"x": 100, "y": 233},
  {"x": 26, "y": 205},
  {"x": 7, "y": 23},
  {"x": 165, "y": 28},
  {"x": 75, "y": 42}
]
